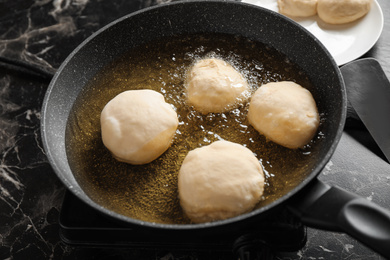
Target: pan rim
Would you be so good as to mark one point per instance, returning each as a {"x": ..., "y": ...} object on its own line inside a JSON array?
[{"x": 200, "y": 226}]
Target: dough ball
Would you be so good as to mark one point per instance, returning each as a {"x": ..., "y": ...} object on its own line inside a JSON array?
[
  {"x": 215, "y": 86},
  {"x": 285, "y": 113},
  {"x": 219, "y": 181},
  {"x": 342, "y": 11},
  {"x": 298, "y": 8},
  {"x": 138, "y": 126}
]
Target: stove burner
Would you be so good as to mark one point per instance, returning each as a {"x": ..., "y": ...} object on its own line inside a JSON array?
[{"x": 82, "y": 226}]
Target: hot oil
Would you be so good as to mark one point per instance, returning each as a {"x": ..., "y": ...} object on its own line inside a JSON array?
[{"x": 149, "y": 192}]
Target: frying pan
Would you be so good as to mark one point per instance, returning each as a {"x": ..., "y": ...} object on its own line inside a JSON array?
[{"x": 317, "y": 204}]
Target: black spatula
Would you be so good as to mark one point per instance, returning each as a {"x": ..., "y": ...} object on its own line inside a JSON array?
[{"x": 368, "y": 91}]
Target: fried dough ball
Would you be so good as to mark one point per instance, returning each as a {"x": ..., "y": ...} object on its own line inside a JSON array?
[
  {"x": 342, "y": 11},
  {"x": 138, "y": 126},
  {"x": 214, "y": 86},
  {"x": 298, "y": 8},
  {"x": 219, "y": 181},
  {"x": 285, "y": 112}
]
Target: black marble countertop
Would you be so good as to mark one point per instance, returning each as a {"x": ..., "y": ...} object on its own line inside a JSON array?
[{"x": 42, "y": 33}]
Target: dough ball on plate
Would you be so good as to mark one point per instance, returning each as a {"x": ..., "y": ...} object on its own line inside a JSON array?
[
  {"x": 213, "y": 85},
  {"x": 285, "y": 113},
  {"x": 342, "y": 11},
  {"x": 138, "y": 126},
  {"x": 219, "y": 181},
  {"x": 298, "y": 8}
]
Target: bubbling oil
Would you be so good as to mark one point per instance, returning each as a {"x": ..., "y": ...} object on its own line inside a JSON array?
[{"x": 149, "y": 192}]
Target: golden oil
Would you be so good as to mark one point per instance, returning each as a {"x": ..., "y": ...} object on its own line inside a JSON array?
[{"x": 149, "y": 192}]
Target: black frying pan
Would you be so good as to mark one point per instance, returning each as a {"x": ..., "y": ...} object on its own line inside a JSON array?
[{"x": 317, "y": 204}]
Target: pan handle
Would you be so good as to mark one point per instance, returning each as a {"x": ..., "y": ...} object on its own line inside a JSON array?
[{"x": 334, "y": 209}]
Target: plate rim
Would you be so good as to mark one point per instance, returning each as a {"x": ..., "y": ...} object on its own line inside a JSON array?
[{"x": 345, "y": 58}]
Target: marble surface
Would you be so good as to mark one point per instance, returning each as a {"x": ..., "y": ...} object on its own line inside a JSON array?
[{"x": 42, "y": 33}]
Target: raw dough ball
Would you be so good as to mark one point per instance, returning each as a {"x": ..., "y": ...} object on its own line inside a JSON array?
[
  {"x": 138, "y": 126},
  {"x": 215, "y": 86},
  {"x": 219, "y": 181},
  {"x": 285, "y": 113},
  {"x": 298, "y": 8},
  {"x": 342, "y": 11}
]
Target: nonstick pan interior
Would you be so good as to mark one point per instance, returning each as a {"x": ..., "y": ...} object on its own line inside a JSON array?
[{"x": 182, "y": 18}]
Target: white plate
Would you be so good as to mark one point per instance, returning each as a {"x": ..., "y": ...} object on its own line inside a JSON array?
[{"x": 345, "y": 42}]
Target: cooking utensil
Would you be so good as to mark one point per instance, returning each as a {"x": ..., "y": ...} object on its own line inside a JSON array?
[
  {"x": 369, "y": 94},
  {"x": 233, "y": 18}
]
